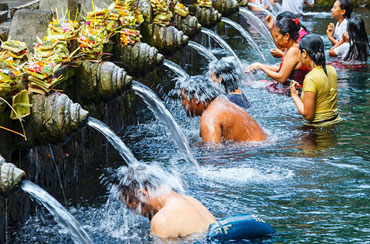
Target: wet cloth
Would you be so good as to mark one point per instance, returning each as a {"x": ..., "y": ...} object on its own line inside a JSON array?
[
  {"x": 342, "y": 50},
  {"x": 325, "y": 88},
  {"x": 297, "y": 75},
  {"x": 239, "y": 99},
  {"x": 295, "y": 6},
  {"x": 301, "y": 33},
  {"x": 340, "y": 29}
]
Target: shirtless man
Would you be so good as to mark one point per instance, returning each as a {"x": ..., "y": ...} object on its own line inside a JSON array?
[
  {"x": 220, "y": 118},
  {"x": 173, "y": 215}
]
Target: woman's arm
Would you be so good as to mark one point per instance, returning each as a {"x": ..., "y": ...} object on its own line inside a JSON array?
[
  {"x": 288, "y": 66},
  {"x": 330, "y": 33},
  {"x": 306, "y": 107},
  {"x": 332, "y": 52},
  {"x": 256, "y": 66}
]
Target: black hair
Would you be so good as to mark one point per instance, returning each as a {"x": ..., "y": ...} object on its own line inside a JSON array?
[
  {"x": 314, "y": 46},
  {"x": 346, "y": 5},
  {"x": 226, "y": 68},
  {"x": 200, "y": 87},
  {"x": 151, "y": 178},
  {"x": 358, "y": 40},
  {"x": 290, "y": 15},
  {"x": 287, "y": 25}
]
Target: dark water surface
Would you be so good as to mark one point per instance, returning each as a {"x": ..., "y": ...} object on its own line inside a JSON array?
[{"x": 312, "y": 186}]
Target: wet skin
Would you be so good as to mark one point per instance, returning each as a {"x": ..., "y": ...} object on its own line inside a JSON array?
[
  {"x": 173, "y": 215},
  {"x": 291, "y": 59},
  {"x": 223, "y": 120}
]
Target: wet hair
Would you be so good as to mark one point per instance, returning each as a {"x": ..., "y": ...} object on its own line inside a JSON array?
[
  {"x": 200, "y": 87},
  {"x": 287, "y": 25},
  {"x": 290, "y": 15},
  {"x": 346, "y": 5},
  {"x": 314, "y": 46},
  {"x": 226, "y": 68},
  {"x": 151, "y": 178},
  {"x": 358, "y": 40}
]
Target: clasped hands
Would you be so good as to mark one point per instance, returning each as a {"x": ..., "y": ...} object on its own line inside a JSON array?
[{"x": 294, "y": 86}]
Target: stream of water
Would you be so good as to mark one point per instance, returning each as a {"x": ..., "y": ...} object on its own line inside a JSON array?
[{"x": 311, "y": 185}]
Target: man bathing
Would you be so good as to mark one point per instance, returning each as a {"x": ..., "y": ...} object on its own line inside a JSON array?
[
  {"x": 144, "y": 188},
  {"x": 220, "y": 118}
]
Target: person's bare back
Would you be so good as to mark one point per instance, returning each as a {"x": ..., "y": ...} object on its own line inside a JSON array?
[
  {"x": 223, "y": 120},
  {"x": 181, "y": 216}
]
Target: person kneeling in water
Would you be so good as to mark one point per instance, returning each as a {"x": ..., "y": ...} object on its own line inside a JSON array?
[
  {"x": 146, "y": 189},
  {"x": 318, "y": 103},
  {"x": 223, "y": 71},
  {"x": 150, "y": 191},
  {"x": 220, "y": 118}
]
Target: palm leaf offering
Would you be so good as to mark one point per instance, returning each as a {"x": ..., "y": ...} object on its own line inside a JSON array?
[
  {"x": 21, "y": 105},
  {"x": 41, "y": 75},
  {"x": 130, "y": 37},
  {"x": 205, "y": 3},
  {"x": 181, "y": 10},
  {"x": 64, "y": 29},
  {"x": 162, "y": 15},
  {"x": 52, "y": 50}
]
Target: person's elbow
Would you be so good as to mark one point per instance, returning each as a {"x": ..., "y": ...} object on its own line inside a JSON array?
[{"x": 309, "y": 116}]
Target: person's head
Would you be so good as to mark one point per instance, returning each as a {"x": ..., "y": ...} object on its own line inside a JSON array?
[
  {"x": 359, "y": 42},
  {"x": 140, "y": 184},
  {"x": 197, "y": 92},
  {"x": 312, "y": 49},
  {"x": 224, "y": 72},
  {"x": 341, "y": 9},
  {"x": 290, "y": 15},
  {"x": 286, "y": 31}
]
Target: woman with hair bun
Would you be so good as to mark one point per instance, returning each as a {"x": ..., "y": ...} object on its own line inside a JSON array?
[
  {"x": 318, "y": 102},
  {"x": 341, "y": 11},
  {"x": 286, "y": 36},
  {"x": 353, "y": 49}
]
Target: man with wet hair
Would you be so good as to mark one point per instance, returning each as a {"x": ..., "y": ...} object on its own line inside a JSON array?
[
  {"x": 150, "y": 191},
  {"x": 224, "y": 72},
  {"x": 220, "y": 119}
]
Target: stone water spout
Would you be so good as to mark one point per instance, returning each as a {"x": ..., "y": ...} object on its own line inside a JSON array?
[
  {"x": 140, "y": 58},
  {"x": 207, "y": 17},
  {"x": 55, "y": 116},
  {"x": 226, "y": 7},
  {"x": 10, "y": 176},
  {"x": 100, "y": 81},
  {"x": 166, "y": 38},
  {"x": 189, "y": 24}
]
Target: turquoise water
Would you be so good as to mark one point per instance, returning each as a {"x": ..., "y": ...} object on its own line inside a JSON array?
[{"x": 312, "y": 186}]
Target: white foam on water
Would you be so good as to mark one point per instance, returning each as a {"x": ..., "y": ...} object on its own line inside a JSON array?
[{"x": 245, "y": 175}]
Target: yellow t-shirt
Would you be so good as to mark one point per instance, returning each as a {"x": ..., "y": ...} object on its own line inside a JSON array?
[{"x": 325, "y": 88}]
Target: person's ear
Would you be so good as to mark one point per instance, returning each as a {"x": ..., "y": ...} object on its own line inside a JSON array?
[
  {"x": 287, "y": 37},
  {"x": 220, "y": 79},
  {"x": 343, "y": 12}
]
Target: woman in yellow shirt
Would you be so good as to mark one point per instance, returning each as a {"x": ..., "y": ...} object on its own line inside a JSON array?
[{"x": 318, "y": 103}]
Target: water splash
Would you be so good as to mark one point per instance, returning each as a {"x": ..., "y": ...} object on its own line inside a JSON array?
[
  {"x": 246, "y": 35},
  {"x": 202, "y": 51},
  {"x": 61, "y": 215},
  {"x": 162, "y": 113},
  {"x": 221, "y": 42},
  {"x": 116, "y": 142},
  {"x": 175, "y": 68},
  {"x": 259, "y": 25}
]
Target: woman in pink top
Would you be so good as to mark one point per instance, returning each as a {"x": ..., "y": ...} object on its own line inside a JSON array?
[{"x": 277, "y": 52}]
